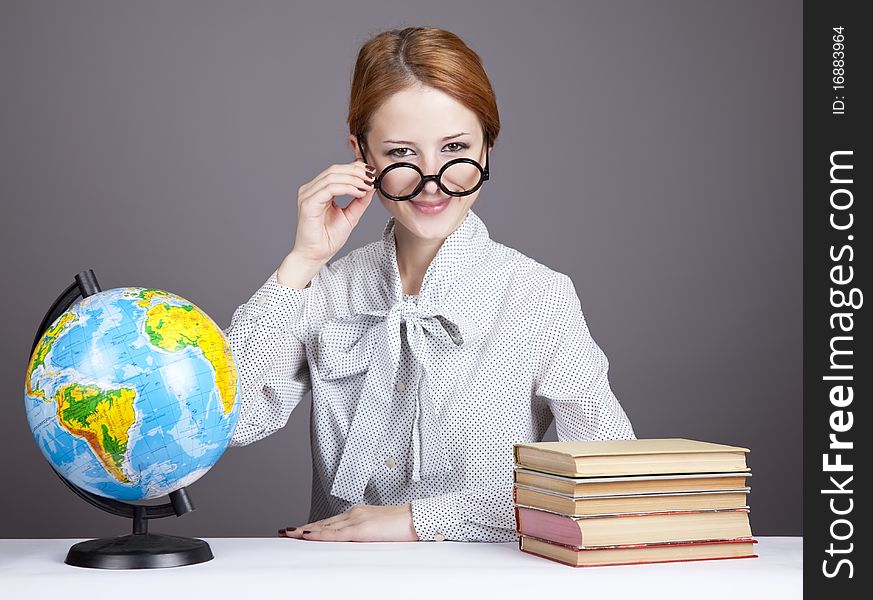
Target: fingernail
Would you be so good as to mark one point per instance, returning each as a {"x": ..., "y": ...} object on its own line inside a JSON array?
[
  {"x": 370, "y": 168},
  {"x": 290, "y": 529},
  {"x": 307, "y": 532},
  {"x": 281, "y": 532}
]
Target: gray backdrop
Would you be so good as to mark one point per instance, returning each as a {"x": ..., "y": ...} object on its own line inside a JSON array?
[{"x": 650, "y": 150}]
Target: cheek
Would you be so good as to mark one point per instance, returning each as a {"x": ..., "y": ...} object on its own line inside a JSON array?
[
  {"x": 467, "y": 201},
  {"x": 390, "y": 205}
]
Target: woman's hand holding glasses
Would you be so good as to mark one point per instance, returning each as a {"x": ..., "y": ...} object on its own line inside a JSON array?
[{"x": 323, "y": 227}]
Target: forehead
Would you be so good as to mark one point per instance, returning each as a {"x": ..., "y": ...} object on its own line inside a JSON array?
[{"x": 423, "y": 113}]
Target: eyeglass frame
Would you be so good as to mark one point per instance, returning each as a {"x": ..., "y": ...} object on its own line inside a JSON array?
[{"x": 437, "y": 178}]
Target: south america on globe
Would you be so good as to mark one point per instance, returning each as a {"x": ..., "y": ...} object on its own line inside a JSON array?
[{"x": 132, "y": 393}]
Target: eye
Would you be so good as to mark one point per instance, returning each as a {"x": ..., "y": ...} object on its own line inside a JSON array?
[
  {"x": 460, "y": 146},
  {"x": 393, "y": 153},
  {"x": 454, "y": 147}
]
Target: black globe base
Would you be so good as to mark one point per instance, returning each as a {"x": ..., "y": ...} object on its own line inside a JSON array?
[{"x": 139, "y": 551}]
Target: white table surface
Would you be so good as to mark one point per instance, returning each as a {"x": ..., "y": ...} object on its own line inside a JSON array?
[{"x": 254, "y": 568}]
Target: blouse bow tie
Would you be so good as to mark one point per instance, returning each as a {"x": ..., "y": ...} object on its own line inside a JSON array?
[{"x": 356, "y": 343}]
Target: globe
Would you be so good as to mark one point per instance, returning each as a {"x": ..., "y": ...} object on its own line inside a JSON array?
[{"x": 132, "y": 393}]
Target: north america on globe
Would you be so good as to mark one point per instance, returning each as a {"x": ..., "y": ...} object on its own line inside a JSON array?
[{"x": 132, "y": 393}]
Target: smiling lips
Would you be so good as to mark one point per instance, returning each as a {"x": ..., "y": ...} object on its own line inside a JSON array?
[{"x": 430, "y": 208}]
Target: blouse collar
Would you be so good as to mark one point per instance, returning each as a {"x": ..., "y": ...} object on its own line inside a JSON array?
[{"x": 459, "y": 252}]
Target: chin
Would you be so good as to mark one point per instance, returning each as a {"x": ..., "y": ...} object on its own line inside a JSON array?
[{"x": 429, "y": 226}]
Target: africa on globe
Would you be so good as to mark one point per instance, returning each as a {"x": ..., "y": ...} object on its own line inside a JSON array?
[{"x": 132, "y": 393}]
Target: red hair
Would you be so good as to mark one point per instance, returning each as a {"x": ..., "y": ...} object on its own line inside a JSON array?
[{"x": 397, "y": 59}]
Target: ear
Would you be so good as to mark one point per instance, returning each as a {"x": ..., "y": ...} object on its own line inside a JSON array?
[
  {"x": 488, "y": 149},
  {"x": 353, "y": 141}
]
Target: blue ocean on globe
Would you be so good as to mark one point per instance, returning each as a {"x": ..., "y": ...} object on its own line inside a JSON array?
[{"x": 132, "y": 393}]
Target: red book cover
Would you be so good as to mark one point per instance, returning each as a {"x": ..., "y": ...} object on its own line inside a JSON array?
[{"x": 565, "y": 529}]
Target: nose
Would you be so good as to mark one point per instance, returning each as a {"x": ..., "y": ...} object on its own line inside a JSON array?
[
  {"x": 431, "y": 187},
  {"x": 431, "y": 168}
]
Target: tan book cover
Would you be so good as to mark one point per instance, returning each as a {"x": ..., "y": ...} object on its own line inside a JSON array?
[
  {"x": 592, "y": 458},
  {"x": 636, "y": 503},
  {"x": 630, "y": 484},
  {"x": 638, "y": 554}
]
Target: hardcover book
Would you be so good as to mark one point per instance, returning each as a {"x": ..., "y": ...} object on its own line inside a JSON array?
[
  {"x": 596, "y": 458},
  {"x": 638, "y": 554}
]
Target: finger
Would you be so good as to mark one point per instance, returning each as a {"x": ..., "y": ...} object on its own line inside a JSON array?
[
  {"x": 356, "y": 208},
  {"x": 329, "y": 521},
  {"x": 296, "y": 532},
  {"x": 359, "y": 180},
  {"x": 344, "y": 184},
  {"x": 290, "y": 532},
  {"x": 325, "y": 195},
  {"x": 349, "y": 169},
  {"x": 342, "y": 534},
  {"x": 293, "y": 532},
  {"x": 339, "y": 168}
]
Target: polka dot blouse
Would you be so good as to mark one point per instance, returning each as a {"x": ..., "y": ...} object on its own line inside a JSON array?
[{"x": 419, "y": 398}]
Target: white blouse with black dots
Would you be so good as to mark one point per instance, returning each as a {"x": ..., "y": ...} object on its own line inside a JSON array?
[{"x": 419, "y": 398}]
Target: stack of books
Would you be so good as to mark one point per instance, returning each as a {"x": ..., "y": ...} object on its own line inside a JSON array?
[{"x": 618, "y": 502}]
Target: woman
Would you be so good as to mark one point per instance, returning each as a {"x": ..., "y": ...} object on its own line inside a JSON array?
[{"x": 431, "y": 352}]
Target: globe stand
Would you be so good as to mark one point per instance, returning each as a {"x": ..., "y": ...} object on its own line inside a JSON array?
[{"x": 140, "y": 549}]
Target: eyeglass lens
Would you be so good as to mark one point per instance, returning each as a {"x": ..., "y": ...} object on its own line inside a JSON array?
[{"x": 458, "y": 177}]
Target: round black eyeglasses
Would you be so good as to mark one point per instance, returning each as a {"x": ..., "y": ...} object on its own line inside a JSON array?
[{"x": 404, "y": 181}]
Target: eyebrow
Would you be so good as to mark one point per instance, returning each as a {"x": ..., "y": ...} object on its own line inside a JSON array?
[{"x": 445, "y": 139}]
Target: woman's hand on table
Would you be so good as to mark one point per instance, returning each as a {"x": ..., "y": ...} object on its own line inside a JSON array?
[{"x": 361, "y": 523}]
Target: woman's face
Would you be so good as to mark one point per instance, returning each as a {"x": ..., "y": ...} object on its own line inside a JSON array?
[{"x": 420, "y": 125}]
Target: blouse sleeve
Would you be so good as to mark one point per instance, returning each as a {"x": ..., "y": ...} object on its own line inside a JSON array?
[
  {"x": 476, "y": 515},
  {"x": 266, "y": 337},
  {"x": 571, "y": 375}
]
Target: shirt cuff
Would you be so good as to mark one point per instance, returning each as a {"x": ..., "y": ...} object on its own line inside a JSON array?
[
  {"x": 438, "y": 518},
  {"x": 277, "y": 305}
]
